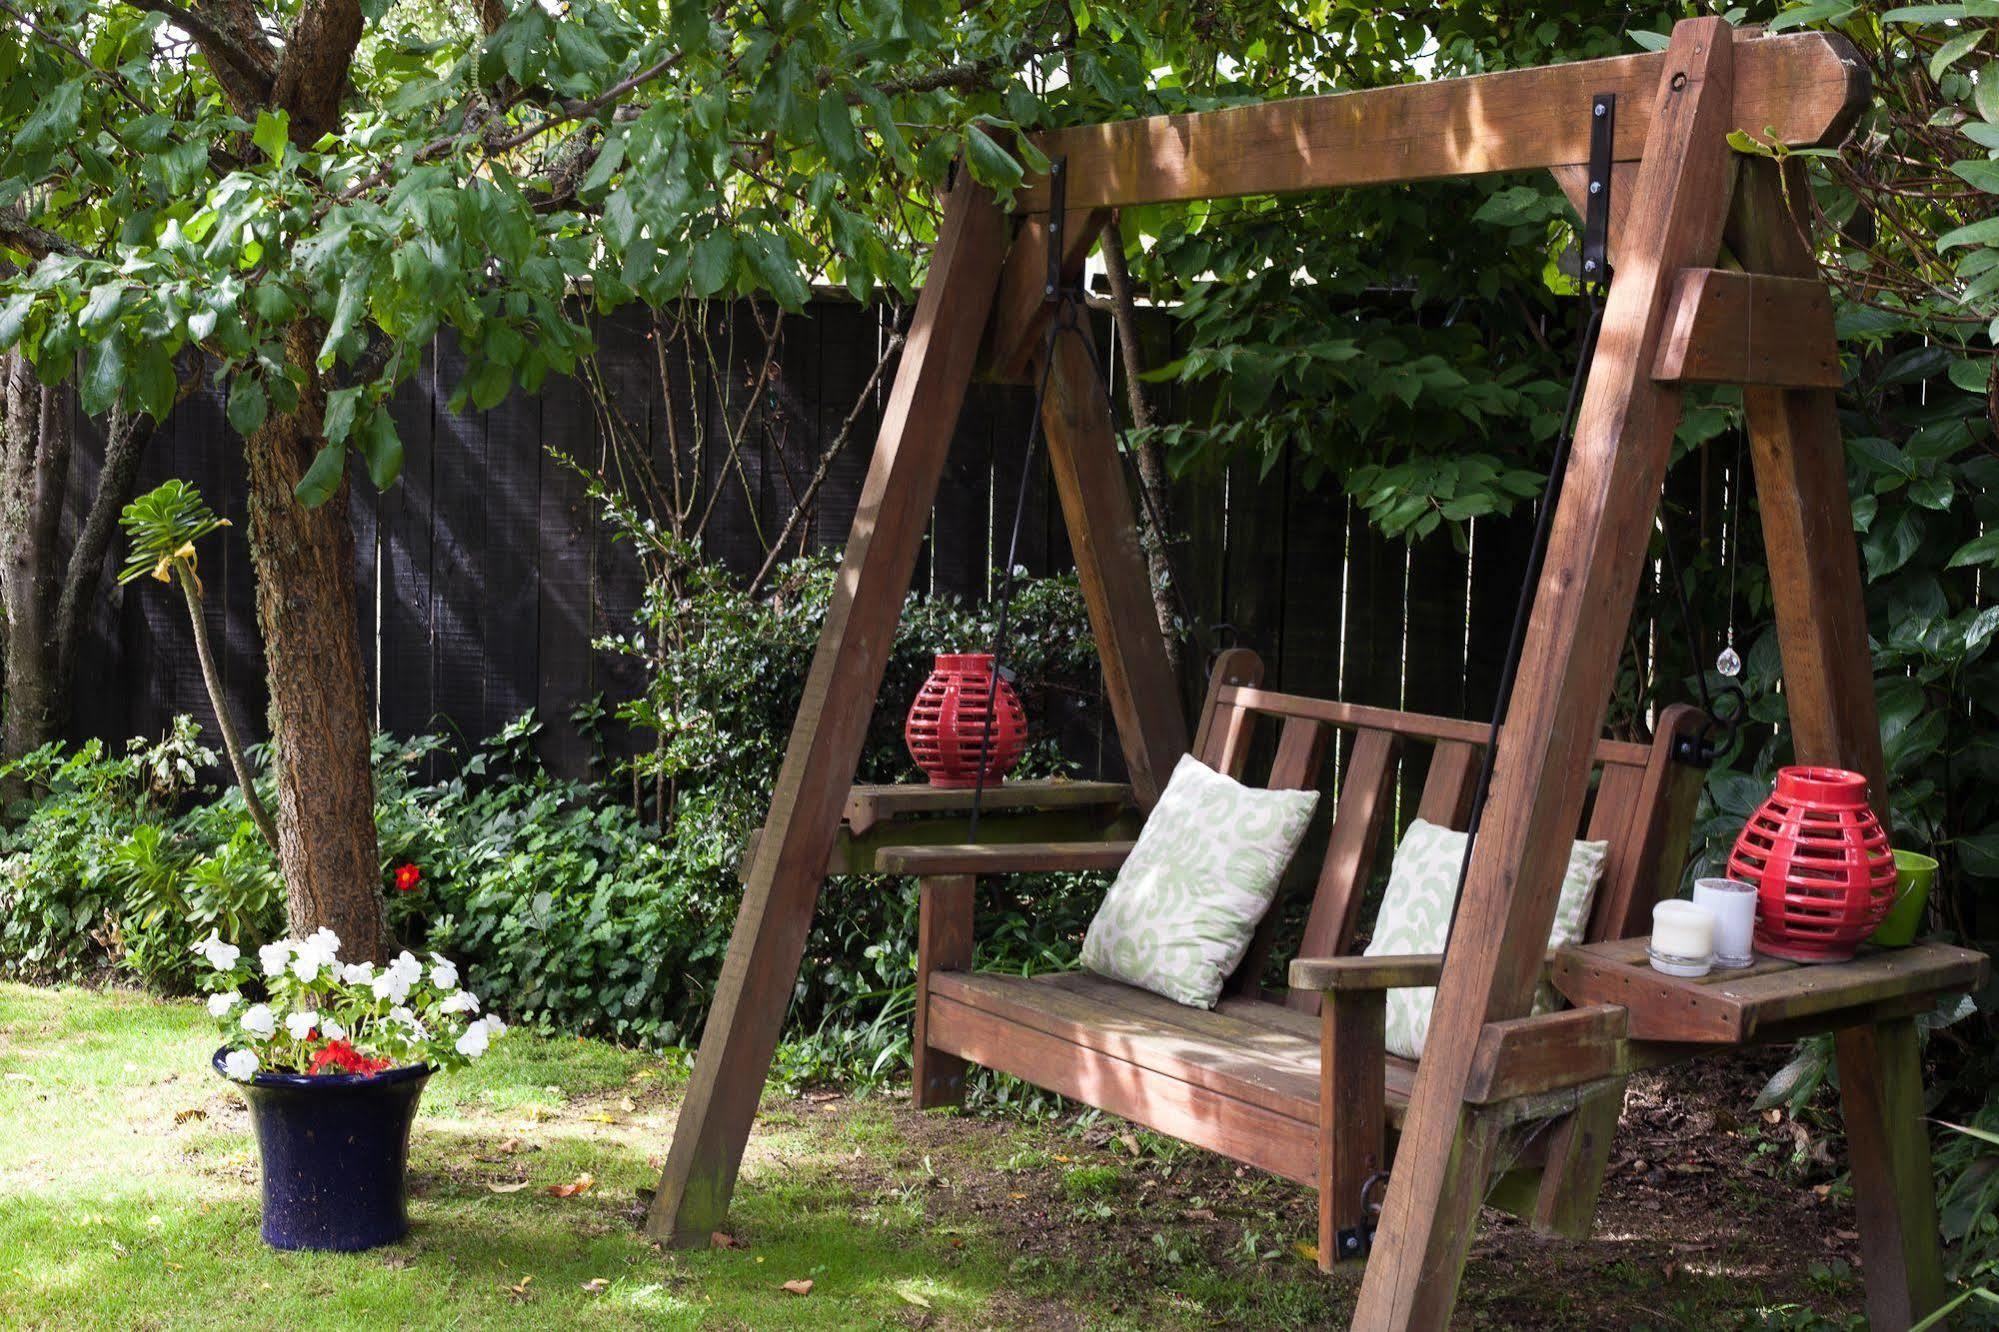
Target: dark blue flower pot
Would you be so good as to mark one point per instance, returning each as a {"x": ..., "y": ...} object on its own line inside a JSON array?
[{"x": 335, "y": 1147}]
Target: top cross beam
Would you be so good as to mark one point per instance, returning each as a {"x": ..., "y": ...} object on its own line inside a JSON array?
[{"x": 1800, "y": 89}]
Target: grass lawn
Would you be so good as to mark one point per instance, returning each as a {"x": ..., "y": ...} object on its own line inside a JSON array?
[{"x": 128, "y": 1199}]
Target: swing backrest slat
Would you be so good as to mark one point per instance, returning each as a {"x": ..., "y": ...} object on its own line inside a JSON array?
[{"x": 1641, "y": 803}]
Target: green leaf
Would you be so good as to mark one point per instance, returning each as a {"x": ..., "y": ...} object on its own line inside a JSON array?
[
  {"x": 323, "y": 477},
  {"x": 1986, "y": 95},
  {"x": 1976, "y": 233},
  {"x": 105, "y": 377},
  {"x": 1979, "y": 550},
  {"x": 339, "y": 418},
  {"x": 272, "y": 134},
  {"x": 1651, "y": 41},
  {"x": 14, "y": 318},
  {"x": 1953, "y": 51},
  {"x": 836, "y": 129},
  {"x": 382, "y": 448},
  {"x": 714, "y": 261},
  {"x": 991, "y": 164},
  {"x": 1979, "y": 855},
  {"x": 101, "y": 309},
  {"x": 1982, "y": 173},
  {"x": 1924, "y": 14},
  {"x": 247, "y": 405}
]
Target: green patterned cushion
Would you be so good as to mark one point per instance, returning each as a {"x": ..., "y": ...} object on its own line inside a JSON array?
[
  {"x": 1416, "y": 917},
  {"x": 1182, "y": 910}
]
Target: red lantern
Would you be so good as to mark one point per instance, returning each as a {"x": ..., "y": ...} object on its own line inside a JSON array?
[
  {"x": 947, "y": 722},
  {"x": 1820, "y": 859}
]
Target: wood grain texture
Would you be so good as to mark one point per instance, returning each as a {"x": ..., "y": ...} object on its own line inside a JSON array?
[
  {"x": 1807, "y": 87},
  {"x": 1529, "y": 1055},
  {"x": 1353, "y": 1134},
  {"x": 1359, "y": 974},
  {"x": 1740, "y": 1007},
  {"x": 1021, "y": 309},
  {"x": 1650, "y": 832},
  {"x": 1449, "y": 785},
  {"x": 1110, "y": 565},
  {"x": 1749, "y": 328},
  {"x": 1578, "y": 1157},
  {"x": 1366, "y": 803},
  {"x": 1301, "y": 753},
  {"x": 1413, "y": 725},
  {"x": 1597, "y": 547},
  {"x": 868, "y": 805},
  {"x": 1800, "y": 466},
  {"x": 1011, "y": 858},
  {"x": 818, "y": 770},
  {"x": 1887, "y": 1139},
  {"x": 943, "y": 943}
]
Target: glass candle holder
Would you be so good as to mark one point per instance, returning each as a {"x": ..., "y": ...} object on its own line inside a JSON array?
[
  {"x": 1682, "y": 939},
  {"x": 1733, "y": 903}
]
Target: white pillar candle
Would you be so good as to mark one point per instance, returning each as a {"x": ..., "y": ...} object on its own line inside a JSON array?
[
  {"x": 1682, "y": 938},
  {"x": 1733, "y": 903}
]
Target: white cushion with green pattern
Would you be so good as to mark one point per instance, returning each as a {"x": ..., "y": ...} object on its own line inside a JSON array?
[
  {"x": 1181, "y": 912},
  {"x": 1415, "y": 917}
]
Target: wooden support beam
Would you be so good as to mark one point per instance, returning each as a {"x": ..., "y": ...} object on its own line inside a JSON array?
[
  {"x": 1806, "y": 87},
  {"x": 1020, "y": 310},
  {"x": 1353, "y": 1130},
  {"x": 826, "y": 739},
  {"x": 1110, "y": 564},
  {"x": 944, "y": 942},
  {"x": 1574, "y": 181},
  {"x": 1601, "y": 529},
  {"x": 1749, "y": 328},
  {"x": 1887, "y": 1141},
  {"x": 1800, "y": 463}
]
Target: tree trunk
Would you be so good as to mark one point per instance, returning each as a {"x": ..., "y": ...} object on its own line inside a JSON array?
[
  {"x": 34, "y": 468},
  {"x": 1151, "y": 471},
  {"x": 319, "y": 700},
  {"x": 47, "y": 602}
]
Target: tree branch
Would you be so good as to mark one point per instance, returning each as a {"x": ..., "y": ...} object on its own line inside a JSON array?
[
  {"x": 221, "y": 48},
  {"x": 126, "y": 437},
  {"x": 312, "y": 76}
]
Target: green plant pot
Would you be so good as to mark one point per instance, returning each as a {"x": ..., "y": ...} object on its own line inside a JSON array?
[{"x": 1914, "y": 873}]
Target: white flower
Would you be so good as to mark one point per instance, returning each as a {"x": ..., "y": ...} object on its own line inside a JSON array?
[
  {"x": 443, "y": 973},
  {"x": 473, "y": 1043},
  {"x": 331, "y": 1029},
  {"x": 240, "y": 1065},
  {"x": 390, "y": 984},
  {"x": 260, "y": 1021},
  {"x": 300, "y": 1024},
  {"x": 275, "y": 956},
  {"x": 494, "y": 1027},
  {"x": 460, "y": 1001},
  {"x": 220, "y": 1004},
  {"x": 222, "y": 956},
  {"x": 417, "y": 1030},
  {"x": 326, "y": 943},
  {"x": 358, "y": 973},
  {"x": 306, "y": 965}
]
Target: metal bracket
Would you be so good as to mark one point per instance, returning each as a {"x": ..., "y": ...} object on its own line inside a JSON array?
[
  {"x": 1596, "y": 209},
  {"x": 1058, "y": 216},
  {"x": 1356, "y": 1242}
]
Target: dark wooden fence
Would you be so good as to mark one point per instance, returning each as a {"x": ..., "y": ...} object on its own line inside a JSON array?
[{"x": 485, "y": 574}]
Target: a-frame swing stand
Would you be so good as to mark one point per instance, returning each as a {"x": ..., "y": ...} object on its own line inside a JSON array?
[{"x": 1674, "y": 315}]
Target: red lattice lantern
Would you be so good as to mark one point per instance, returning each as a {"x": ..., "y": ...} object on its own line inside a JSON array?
[
  {"x": 947, "y": 722},
  {"x": 1820, "y": 859}
]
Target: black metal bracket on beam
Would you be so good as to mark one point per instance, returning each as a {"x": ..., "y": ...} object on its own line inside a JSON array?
[
  {"x": 1596, "y": 207},
  {"x": 1058, "y": 217}
]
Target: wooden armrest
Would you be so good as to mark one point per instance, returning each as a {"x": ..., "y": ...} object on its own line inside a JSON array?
[
  {"x": 1395, "y": 971},
  {"x": 1002, "y": 858},
  {"x": 1390, "y": 971}
]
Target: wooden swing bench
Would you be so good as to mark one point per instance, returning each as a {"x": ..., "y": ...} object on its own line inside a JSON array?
[
  {"x": 1299, "y": 1083},
  {"x": 1713, "y": 281}
]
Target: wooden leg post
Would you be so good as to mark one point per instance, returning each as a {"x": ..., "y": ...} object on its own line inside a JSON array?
[
  {"x": 1881, "y": 1099},
  {"x": 943, "y": 943},
  {"x": 1353, "y": 1133},
  {"x": 1110, "y": 564},
  {"x": 1601, "y": 531},
  {"x": 798, "y": 837},
  {"x": 1578, "y": 1155}
]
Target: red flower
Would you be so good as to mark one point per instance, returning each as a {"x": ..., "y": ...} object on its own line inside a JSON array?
[
  {"x": 341, "y": 1057},
  {"x": 407, "y": 878}
]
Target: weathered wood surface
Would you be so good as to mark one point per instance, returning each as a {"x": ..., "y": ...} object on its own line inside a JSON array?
[
  {"x": 868, "y": 805},
  {"x": 1648, "y": 825},
  {"x": 1338, "y": 975},
  {"x": 1738, "y": 1007},
  {"x": 1110, "y": 565},
  {"x": 1013, "y": 858},
  {"x": 1807, "y": 87},
  {"x": 944, "y": 944},
  {"x": 818, "y": 771},
  {"x": 1414, "y": 725},
  {"x": 1021, "y": 309},
  {"x": 1601, "y": 530},
  {"x": 1894, "y": 1199},
  {"x": 1749, "y": 328},
  {"x": 1366, "y": 796},
  {"x": 1353, "y": 1129},
  {"x": 1800, "y": 465},
  {"x": 1529, "y": 1055}
]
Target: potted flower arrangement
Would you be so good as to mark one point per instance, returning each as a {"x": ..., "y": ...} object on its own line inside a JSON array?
[{"x": 331, "y": 1058}]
